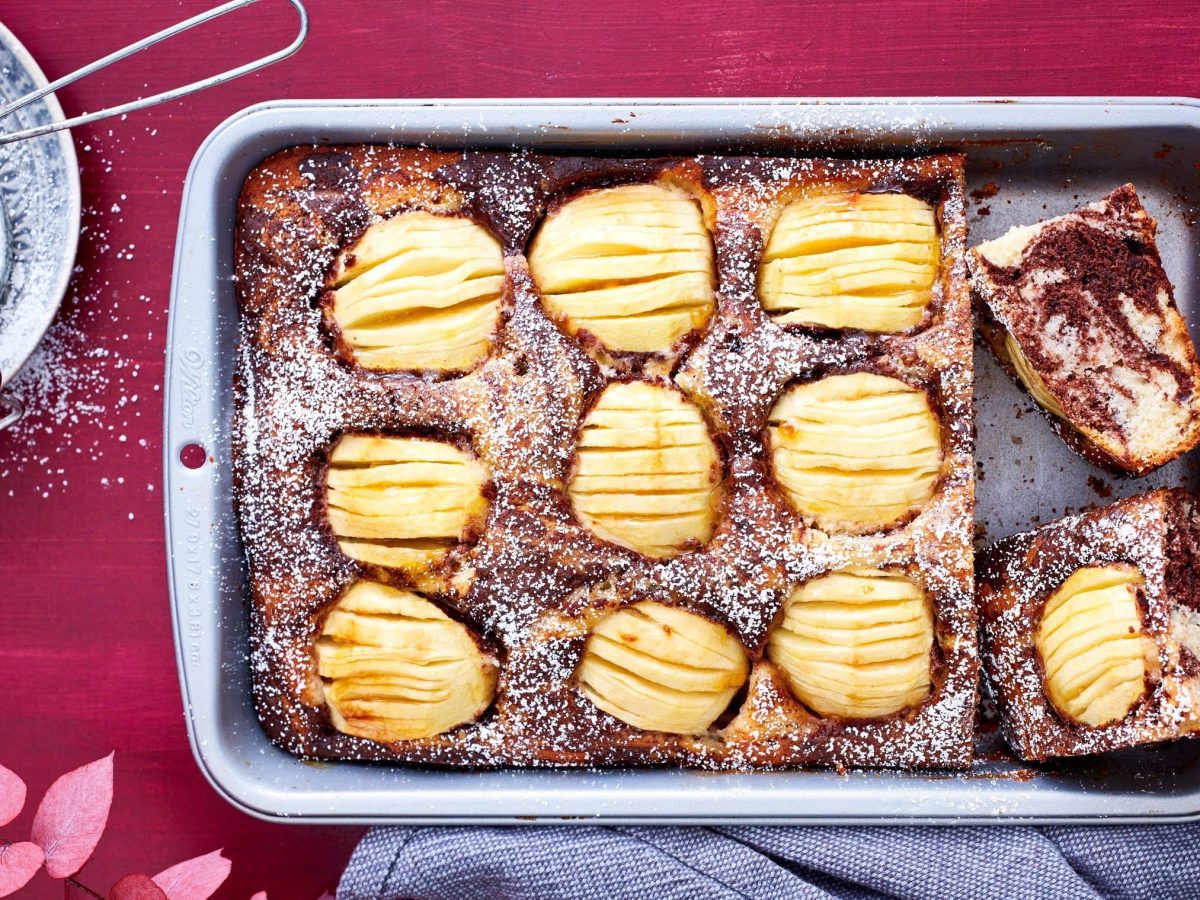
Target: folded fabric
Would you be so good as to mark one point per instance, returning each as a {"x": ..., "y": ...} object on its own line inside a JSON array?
[{"x": 978, "y": 863}]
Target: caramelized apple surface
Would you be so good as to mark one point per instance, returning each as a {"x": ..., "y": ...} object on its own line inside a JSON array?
[
  {"x": 856, "y": 643},
  {"x": 402, "y": 502},
  {"x": 662, "y": 669},
  {"x": 647, "y": 474},
  {"x": 855, "y": 452},
  {"x": 419, "y": 292},
  {"x": 632, "y": 265},
  {"x": 394, "y": 667},
  {"x": 846, "y": 260},
  {"x": 1092, "y": 646}
]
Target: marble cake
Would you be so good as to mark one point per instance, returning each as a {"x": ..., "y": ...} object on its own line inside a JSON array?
[
  {"x": 1079, "y": 310},
  {"x": 593, "y": 461}
]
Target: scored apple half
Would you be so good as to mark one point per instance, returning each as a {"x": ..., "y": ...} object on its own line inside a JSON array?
[
  {"x": 394, "y": 667},
  {"x": 856, "y": 643},
  {"x": 849, "y": 260},
  {"x": 419, "y": 292},
  {"x": 662, "y": 669},
  {"x": 632, "y": 265},
  {"x": 402, "y": 502},
  {"x": 647, "y": 474},
  {"x": 857, "y": 452},
  {"x": 1092, "y": 645}
]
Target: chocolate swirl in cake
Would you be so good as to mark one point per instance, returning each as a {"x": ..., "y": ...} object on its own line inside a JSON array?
[{"x": 1079, "y": 309}]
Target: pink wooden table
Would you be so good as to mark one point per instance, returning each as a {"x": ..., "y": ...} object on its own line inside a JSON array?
[{"x": 87, "y": 664}]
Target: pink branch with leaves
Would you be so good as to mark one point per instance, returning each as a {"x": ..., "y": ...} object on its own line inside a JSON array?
[{"x": 66, "y": 829}]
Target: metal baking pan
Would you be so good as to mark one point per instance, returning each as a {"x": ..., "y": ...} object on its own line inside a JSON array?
[{"x": 1028, "y": 158}]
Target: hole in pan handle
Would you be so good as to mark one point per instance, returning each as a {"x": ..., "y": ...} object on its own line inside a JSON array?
[
  {"x": 174, "y": 93},
  {"x": 193, "y": 455}
]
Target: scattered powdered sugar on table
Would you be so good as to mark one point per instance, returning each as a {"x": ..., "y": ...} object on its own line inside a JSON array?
[{"x": 87, "y": 396}]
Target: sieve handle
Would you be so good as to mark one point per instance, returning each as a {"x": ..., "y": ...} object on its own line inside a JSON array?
[
  {"x": 11, "y": 410},
  {"x": 174, "y": 93}
]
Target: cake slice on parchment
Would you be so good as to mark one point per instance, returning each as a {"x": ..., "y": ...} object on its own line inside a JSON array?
[
  {"x": 1079, "y": 310},
  {"x": 1091, "y": 627}
]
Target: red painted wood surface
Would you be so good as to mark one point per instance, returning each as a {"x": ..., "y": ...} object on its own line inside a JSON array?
[{"x": 86, "y": 660}]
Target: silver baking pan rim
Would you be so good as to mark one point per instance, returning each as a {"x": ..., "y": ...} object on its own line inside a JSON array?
[{"x": 204, "y": 559}]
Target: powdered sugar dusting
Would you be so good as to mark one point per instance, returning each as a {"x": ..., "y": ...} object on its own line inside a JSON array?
[
  {"x": 1151, "y": 531},
  {"x": 535, "y": 580},
  {"x": 87, "y": 394}
]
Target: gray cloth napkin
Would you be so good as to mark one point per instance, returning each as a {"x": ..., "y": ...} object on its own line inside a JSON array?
[{"x": 1146, "y": 863}]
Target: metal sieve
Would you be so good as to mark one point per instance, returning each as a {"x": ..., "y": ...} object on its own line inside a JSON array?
[{"x": 11, "y": 409}]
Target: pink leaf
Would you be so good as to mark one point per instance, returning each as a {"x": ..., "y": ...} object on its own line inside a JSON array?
[
  {"x": 261, "y": 895},
  {"x": 195, "y": 879},
  {"x": 18, "y": 863},
  {"x": 136, "y": 887},
  {"x": 72, "y": 816},
  {"x": 12, "y": 795}
]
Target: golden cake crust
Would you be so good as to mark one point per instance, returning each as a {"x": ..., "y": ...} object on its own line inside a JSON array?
[{"x": 534, "y": 581}]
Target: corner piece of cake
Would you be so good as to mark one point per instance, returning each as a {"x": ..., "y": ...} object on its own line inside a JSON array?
[
  {"x": 1079, "y": 310},
  {"x": 1091, "y": 628}
]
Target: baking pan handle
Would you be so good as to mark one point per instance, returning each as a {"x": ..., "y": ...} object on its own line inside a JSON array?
[{"x": 174, "y": 93}]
